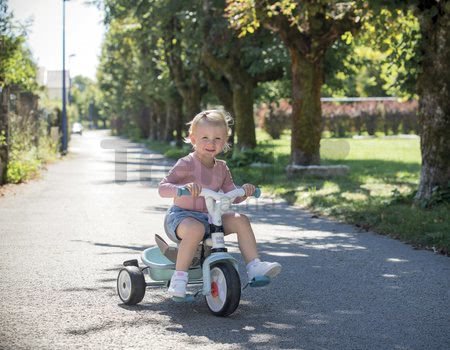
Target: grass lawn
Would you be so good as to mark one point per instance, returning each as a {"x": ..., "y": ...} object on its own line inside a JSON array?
[{"x": 377, "y": 194}]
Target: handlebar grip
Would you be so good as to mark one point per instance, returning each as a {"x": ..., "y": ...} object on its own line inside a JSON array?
[
  {"x": 257, "y": 193},
  {"x": 183, "y": 191}
]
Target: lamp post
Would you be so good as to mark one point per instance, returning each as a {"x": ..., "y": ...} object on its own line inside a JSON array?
[
  {"x": 64, "y": 111},
  {"x": 70, "y": 79}
]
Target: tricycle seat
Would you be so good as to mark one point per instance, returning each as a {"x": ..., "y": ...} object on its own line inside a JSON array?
[{"x": 171, "y": 252}]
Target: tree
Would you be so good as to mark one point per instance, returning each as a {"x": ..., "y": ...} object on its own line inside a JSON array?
[
  {"x": 86, "y": 97},
  {"x": 115, "y": 74},
  {"x": 16, "y": 69},
  {"x": 164, "y": 57},
  {"x": 82, "y": 93},
  {"x": 381, "y": 60},
  {"x": 434, "y": 92},
  {"x": 241, "y": 63},
  {"x": 182, "y": 50},
  {"x": 308, "y": 29}
]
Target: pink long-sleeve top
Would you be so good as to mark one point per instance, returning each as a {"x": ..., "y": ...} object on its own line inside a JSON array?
[{"x": 190, "y": 169}]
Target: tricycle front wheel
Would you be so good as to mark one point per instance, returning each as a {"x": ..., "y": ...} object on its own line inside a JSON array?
[
  {"x": 225, "y": 289},
  {"x": 131, "y": 285}
]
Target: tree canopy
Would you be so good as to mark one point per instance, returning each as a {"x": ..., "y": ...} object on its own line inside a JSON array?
[{"x": 17, "y": 67}]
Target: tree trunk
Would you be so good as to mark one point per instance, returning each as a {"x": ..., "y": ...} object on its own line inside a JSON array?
[
  {"x": 236, "y": 76},
  {"x": 307, "y": 79},
  {"x": 155, "y": 120},
  {"x": 434, "y": 105},
  {"x": 168, "y": 124},
  {"x": 176, "y": 101},
  {"x": 143, "y": 122},
  {"x": 187, "y": 79},
  {"x": 242, "y": 86},
  {"x": 4, "y": 134},
  {"x": 243, "y": 107},
  {"x": 192, "y": 96},
  {"x": 221, "y": 87}
]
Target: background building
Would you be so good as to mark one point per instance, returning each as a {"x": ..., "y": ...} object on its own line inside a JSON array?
[{"x": 52, "y": 80}]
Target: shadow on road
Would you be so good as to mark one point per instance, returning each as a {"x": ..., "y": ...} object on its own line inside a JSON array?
[
  {"x": 338, "y": 289},
  {"x": 336, "y": 285}
]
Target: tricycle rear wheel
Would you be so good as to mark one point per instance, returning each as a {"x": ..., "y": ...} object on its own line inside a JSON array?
[
  {"x": 225, "y": 289},
  {"x": 131, "y": 285}
]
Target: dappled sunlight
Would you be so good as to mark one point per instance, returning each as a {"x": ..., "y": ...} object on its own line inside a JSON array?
[
  {"x": 335, "y": 247},
  {"x": 274, "y": 325},
  {"x": 354, "y": 196},
  {"x": 404, "y": 176},
  {"x": 261, "y": 338},
  {"x": 348, "y": 312},
  {"x": 379, "y": 189},
  {"x": 313, "y": 240},
  {"x": 318, "y": 235},
  {"x": 311, "y": 195},
  {"x": 316, "y": 321},
  {"x": 287, "y": 254},
  {"x": 339, "y": 245},
  {"x": 324, "y": 189},
  {"x": 396, "y": 260}
]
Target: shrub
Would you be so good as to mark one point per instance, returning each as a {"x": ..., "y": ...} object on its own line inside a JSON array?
[
  {"x": 30, "y": 146},
  {"x": 276, "y": 118},
  {"x": 249, "y": 156},
  {"x": 342, "y": 119},
  {"x": 22, "y": 169},
  {"x": 339, "y": 125},
  {"x": 404, "y": 114},
  {"x": 338, "y": 119},
  {"x": 176, "y": 153},
  {"x": 371, "y": 116}
]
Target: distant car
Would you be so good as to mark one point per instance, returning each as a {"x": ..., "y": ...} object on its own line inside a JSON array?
[{"x": 77, "y": 128}]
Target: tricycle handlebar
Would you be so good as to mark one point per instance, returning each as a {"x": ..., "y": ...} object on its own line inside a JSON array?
[{"x": 238, "y": 192}]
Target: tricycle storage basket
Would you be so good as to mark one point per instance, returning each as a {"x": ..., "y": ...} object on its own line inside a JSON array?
[{"x": 161, "y": 268}]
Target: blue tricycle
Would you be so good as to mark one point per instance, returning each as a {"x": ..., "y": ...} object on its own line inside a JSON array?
[{"x": 213, "y": 267}]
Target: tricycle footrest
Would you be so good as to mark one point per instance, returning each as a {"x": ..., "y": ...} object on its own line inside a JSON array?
[
  {"x": 259, "y": 281},
  {"x": 189, "y": 298}
]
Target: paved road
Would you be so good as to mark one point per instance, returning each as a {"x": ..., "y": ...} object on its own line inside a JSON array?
[{"x": 63, "y": 239}]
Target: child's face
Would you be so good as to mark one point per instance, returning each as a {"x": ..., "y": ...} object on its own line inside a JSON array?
[{"x": 209, "y": 139}]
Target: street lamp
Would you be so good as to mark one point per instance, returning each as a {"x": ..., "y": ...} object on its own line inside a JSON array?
[
  {"x": 64, "y": 111},
  {"x": 70, "y": 97}
]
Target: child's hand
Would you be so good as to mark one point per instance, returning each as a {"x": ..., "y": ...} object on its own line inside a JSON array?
[
  {"x": 249, "y": 189},
  {"x": 194, "y": 188}
]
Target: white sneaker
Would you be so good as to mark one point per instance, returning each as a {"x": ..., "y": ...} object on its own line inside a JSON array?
[
  {"x": 263, "y": 268},
  {"x": 178, "y": 284}
]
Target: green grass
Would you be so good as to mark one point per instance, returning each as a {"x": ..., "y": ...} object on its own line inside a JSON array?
[{"x": 376, "y": 195}]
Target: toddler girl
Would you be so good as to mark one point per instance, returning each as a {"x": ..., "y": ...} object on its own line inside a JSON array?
[{"x": 186, "y": 222}]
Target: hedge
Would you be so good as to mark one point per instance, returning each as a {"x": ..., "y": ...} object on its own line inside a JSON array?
[{"x": 346, "y": 119}]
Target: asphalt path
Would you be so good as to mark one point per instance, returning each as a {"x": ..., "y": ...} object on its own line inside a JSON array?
[{"x": 65, "y": 235}]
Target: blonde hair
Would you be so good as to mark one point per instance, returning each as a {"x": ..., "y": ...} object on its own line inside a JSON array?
[{"x": 214, "y": 116}]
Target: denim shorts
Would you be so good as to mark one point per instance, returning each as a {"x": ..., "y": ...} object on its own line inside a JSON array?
[{"x": 176, "y": 214}]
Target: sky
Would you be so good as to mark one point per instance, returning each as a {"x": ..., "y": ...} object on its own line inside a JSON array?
[{"x": 84, "y": 33}]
